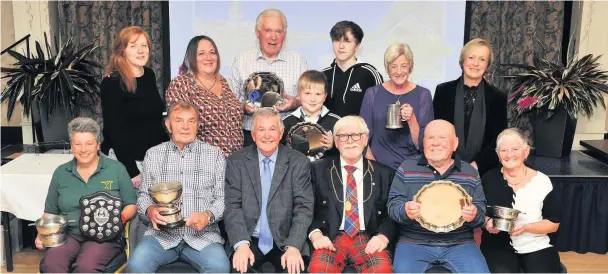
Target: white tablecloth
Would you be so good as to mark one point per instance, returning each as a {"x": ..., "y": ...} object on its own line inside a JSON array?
[{"x": 25, "y": 181}]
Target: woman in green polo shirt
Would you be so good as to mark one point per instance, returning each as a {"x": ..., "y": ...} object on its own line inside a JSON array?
[{"x": 88, "y": 173}]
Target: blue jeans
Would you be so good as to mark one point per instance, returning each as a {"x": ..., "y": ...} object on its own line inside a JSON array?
[
  {"x": 460, "y": 258},
  {"x": 149, "y": 256}
]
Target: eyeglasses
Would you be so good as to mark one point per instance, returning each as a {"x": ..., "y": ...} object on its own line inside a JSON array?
[{"x": 354, "y": 136}]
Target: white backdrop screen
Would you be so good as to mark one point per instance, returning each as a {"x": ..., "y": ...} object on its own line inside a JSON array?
[{"x": 433, "y": 30}]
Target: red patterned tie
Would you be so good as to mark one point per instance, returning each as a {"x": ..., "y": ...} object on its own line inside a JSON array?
[{"x": 351, "y": 204}]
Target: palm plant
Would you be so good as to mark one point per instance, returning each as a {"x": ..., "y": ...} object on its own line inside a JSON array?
[
  {"x": 54, "y": 80},
  {"x": 545, "y": 86}
]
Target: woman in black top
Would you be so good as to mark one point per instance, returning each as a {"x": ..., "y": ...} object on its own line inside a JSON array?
[
  {"x": 527, "y": 247},
  {"x": 477, "y": 109},
  {"x": 131, "y": 105}
]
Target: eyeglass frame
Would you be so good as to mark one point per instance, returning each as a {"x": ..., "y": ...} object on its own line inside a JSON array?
[{"x": 350, "y": 136}]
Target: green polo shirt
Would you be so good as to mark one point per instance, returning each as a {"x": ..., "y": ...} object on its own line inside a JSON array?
[{"x": 67, "y": 187}]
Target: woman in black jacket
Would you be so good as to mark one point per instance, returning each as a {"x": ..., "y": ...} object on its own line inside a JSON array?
[{"x": 477, "y": 109}]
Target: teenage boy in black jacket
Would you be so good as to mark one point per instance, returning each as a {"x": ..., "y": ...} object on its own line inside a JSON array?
[{"x": 347, "y": 79}]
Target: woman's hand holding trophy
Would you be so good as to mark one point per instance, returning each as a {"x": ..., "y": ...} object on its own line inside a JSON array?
[{"x": 407, "y": 112}]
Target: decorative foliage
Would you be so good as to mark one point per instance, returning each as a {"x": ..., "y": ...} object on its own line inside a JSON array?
[
  {"x": 53, "y": 80},
  {"x": 545, "y": 86}
]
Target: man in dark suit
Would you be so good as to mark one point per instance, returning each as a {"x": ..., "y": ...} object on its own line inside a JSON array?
[
  {"x": 269, "y": 200},
  {"x": 351, "y": 224}
]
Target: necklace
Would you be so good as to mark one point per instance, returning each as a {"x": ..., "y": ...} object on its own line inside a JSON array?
[
  {"x": 398, "y": 97},
  {"x": 368, "y": 171},
  {"x": 201, "y": 83},
  {"x": 519, "y": 182}
]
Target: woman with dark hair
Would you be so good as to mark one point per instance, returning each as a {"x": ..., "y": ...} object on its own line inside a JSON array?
[
  {"x": 131, "y": 105},
  {"x": 199, "y": 83},
  {"x": 477, "y": 109}
]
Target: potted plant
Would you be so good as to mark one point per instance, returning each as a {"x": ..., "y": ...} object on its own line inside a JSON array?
[
  {"x": 557, "y": 94},
  {"x": 50, "y": 85}
]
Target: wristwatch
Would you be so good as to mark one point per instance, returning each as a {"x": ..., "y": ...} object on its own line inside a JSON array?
[{"x": 210, "y": 218}]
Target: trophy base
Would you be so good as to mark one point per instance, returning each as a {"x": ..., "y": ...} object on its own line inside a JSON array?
[
  {"x": 172, "y": 225},
  {"x": 394, "y": 127},
  {"x": 53, "y": 240}
]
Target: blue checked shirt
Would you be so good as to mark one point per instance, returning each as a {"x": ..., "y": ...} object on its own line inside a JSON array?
[
  {"x": 288, "y": 66},
  {"x": 200, "y": 169}
]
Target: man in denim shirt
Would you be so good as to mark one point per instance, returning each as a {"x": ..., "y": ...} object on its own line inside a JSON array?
[{"x": 419, "y": 248}]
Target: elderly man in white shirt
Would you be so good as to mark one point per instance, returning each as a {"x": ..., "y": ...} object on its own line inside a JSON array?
[{"x": 270, "y": 56}]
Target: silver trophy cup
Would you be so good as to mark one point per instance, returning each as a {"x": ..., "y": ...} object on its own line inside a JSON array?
[{"x": 167, "y": 195}]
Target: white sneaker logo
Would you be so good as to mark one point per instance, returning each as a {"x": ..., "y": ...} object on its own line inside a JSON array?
[{"x": 356, "y": 88}]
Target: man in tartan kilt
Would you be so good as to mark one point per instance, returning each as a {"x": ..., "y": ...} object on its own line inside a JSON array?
[{"x": 351, "y": 226}]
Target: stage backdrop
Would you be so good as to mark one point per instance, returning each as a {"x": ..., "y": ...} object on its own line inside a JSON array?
[{"x": 433, "y": 30}]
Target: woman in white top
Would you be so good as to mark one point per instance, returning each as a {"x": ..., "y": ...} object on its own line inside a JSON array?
[{"x": 517, "y": 186}]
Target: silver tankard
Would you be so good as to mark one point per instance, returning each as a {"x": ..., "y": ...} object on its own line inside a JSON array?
[{"x": 393, "y": 116}]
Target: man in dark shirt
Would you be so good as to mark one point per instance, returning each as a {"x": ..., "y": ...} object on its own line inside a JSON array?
[{"x": 418, "y": 247}]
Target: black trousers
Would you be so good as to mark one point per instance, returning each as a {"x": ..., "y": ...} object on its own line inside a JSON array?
[
  {"x": 269, "y": 263},
  {"x": 248, "y": 139},
  {"x": 504, "y": 260}
]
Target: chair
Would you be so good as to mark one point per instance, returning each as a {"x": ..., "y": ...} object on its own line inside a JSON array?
[
  {"x": 118, "y": 263},
  {"x": 137, "y": 230}
]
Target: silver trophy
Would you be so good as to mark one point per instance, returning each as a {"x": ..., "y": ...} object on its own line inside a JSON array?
[
  {"x": 307, "y": 138},
  {"x": 167, "y": 195},
  {"x": 263, "y": 89},
  {"x": 504, "y": 217},
  {"x": 52, "y": 230}
]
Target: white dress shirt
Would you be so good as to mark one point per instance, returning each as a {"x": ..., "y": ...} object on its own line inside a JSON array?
[{"x": 358, "y": 175}]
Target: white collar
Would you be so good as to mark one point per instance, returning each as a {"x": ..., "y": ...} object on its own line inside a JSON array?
[
  {"x": 299, "y": 111},
  {"x": 358, "y": 164}
]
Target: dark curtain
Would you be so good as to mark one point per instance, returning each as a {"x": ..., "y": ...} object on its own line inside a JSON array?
[
  {"x": 584, "y": 213},
  {"x": 100, "y": 21},
  {"x": 515, "y": 28}
]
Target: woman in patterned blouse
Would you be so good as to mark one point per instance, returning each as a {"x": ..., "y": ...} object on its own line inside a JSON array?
[{"x": 199, "y": 82}]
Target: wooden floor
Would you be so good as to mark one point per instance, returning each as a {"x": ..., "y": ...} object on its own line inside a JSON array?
[{"x": 27, "y": 262}]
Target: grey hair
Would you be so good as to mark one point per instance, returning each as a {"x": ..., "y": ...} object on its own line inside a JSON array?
[
  {"x": 270, "y": 13},
  {"x": 84, "y": 125},
  {"x": 349, "y": 121},
  {"x": 266, "y": 112},
  {"x": 511, "y": 132},
  {"x": 181, "y": 105}
]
